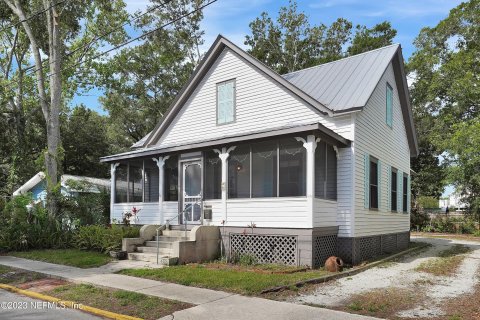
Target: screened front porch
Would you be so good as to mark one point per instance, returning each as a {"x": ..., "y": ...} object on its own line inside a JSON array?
[{"x": 272, "y": 182}]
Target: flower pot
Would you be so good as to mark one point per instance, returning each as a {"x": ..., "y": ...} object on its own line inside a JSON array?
[
  {"x": 334, "y": 264},
  {"x": 119, "y": 255}
]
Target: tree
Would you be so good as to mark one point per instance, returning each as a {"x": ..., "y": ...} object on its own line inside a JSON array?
[
  {"x": 61, "y": 27},
  {"x": 141, "y": 81},
  {"x": 291, "y": 43},
  {"x": 367, "y": 39},
  {"x": 84, "y": 140},
  {"x": 447, "y": 90}
]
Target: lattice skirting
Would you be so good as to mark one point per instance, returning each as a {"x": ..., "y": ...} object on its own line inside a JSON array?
[
  {"x": 282, "y": 249},
  {"x": 357, "y": 250},
  {"x": 323, "y": 247}
]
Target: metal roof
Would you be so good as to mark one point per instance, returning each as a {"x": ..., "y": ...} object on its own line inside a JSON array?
[{"x": 344, "y": 84}]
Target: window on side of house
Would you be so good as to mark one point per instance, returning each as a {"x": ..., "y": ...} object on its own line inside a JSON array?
[
  {"x": 393, "y": 186},
  {"x": 213, "y": 176},
  {"x": 405, "y": 193},
  {"x": 373, "y": 183},
  {"x": 389, "y": 106},
  {"x": 239, "y": 172},
  {"x": 170, "y": 186},
  {"x": 226, "y": 102}
]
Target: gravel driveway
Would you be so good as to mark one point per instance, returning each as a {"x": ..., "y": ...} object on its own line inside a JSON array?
[{"x": 402, "y": 274}]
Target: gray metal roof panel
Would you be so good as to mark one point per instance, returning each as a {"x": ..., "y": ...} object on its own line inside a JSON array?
[{"x": 347, "y": 83}]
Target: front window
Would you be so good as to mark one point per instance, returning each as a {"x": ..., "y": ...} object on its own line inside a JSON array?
[
  {"x": 239, "y": 173},
  {"x": 264, "y": 169},
  {"x": 213, "y": 176},
  {"x": 292, "y": 168},
  {"x": 226, "y": 102},
  {"x": 373, "y": 184},
  {"x": 170, "y": 187}
]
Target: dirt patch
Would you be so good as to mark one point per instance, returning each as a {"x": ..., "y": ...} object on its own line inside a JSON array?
[
  {"x": 260, "y": 268},
  {"x": 42, "y": 285},
  {"x": 14, "y": 276},
  {"x": 447, "y": 262}
]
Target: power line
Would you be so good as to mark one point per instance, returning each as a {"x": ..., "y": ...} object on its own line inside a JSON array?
[
  {"x": 131, "y": 40},
  {"x": 32, "y": 16},
  {"x": 103, "y": 35}
]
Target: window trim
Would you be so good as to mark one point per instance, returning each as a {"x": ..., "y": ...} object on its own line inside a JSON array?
[
  {"x": 375, "y": 160},
  {"x": 393, "y": 170},
  {"x": 388, "y": 87},
  {"x": 234, "y": 81}
]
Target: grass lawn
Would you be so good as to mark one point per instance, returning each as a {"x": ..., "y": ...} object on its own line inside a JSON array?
[
  {"x": 447, "y": 262},
  {"x": 69, "y": 257},
  {"x": 469, "y": 237},
  {"x": 233, "y": 278},
  {"x": 119, "y": 301},
  {"x": 13, "y": 276}
]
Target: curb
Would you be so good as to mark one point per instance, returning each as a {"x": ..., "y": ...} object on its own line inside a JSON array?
[
  {"x": 70, "y": 304},
  {"x": 344, "y": 273}
]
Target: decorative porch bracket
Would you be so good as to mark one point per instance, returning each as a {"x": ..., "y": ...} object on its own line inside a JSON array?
[
  {"x": 160, "y": 161},
  {"x": 113, "y": 168},
  {"x": 223, "y": 155},
  {"x": 310, "y": 145}
]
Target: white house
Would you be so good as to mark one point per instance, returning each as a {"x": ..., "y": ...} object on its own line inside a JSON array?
[{"x": 295, "y": 167}]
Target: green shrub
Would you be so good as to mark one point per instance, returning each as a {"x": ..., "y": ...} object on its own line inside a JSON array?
[
  {"x": 31, "y": 227},
  {"x": 103, "y": 239}
]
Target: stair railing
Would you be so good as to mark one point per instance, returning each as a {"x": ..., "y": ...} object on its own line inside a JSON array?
[{"x": 185, "y": 222}]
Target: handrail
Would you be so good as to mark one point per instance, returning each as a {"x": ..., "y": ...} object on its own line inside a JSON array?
[{"x": 185, "y": 222}]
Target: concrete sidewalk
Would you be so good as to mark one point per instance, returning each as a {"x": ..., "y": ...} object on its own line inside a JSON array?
[{"x": 211, "y": 304}]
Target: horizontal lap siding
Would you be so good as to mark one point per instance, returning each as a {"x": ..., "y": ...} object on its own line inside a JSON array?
[
  {"x": 344, "y": 191},
  {"x": 324, "y": 213},
  {"x": 148, "y": 214},
  {"x": 269, "y": 213},
  {"x": 260, "y": 104},
  {"x": 390, "y": 145}
]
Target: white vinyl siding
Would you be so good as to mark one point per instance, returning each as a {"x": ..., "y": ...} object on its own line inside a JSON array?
[
  {"x": 226, "y": 102},
  {"x": 390, "y": 146},
  {"x": 260, "y": 104}
]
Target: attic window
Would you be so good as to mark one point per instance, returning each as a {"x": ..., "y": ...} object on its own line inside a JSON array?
[
  {"x": 226, "y": 102},
  {"x": 389, "y": 106}
]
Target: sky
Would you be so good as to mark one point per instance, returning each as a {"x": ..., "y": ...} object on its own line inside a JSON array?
[{"x": 232, "y": 17}]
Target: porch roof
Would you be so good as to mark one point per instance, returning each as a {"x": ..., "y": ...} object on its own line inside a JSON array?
[{"x": 317, "y": 128}]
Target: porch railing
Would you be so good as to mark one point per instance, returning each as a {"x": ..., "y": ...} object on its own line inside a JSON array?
[{"x": 185, "y": 223}]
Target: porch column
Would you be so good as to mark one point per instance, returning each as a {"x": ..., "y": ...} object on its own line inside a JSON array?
[
  {"x": 310, "y": 145},
  {"x": 223, "y": 155},
  {"x": 160, "y": 161},
  {"x": 113, "y": 168}
]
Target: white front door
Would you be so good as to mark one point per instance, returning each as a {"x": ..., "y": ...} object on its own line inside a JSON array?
[{"x": 192, "y": 192}]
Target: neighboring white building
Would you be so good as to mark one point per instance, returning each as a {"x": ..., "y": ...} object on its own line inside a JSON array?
[
  {"x": 318, "y": 160},
  {"x": 454, "y": 200},
  {"x": 38, "y": 188}
]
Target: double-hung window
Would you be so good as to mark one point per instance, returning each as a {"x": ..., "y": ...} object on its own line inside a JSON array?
[
  {"x": 393, "y": 184},
  {"x": 389, "y": 106},
  {"x": 405, "y": 193},
  {"x": 225, "y": 102},
  {"x": 373, "y": 183}
]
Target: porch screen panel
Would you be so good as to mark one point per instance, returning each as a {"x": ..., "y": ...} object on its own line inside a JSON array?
[
  {"x": 151, "y": 181},
  {"x": 293, "y": 168},
  {"x": 320, "y": 169},
  {"x": 331, "y": 173},
  {"x": 135, "y": 187},
  {"x": 213, "y": 176},
  {"x": 264, "y": 169},
  {"x": 239, "y": 173},
  {"x": 121, "y": 183},
  {"x": 170, "y": 186}
]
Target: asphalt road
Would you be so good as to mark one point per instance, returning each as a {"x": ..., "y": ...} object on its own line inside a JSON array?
[{"x": 18, "y": 307}]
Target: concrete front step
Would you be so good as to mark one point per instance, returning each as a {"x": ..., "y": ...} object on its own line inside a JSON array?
[
  {"x": 161, "y": 244},
  {"x": 171, "y": 238},
  {"x": 175, "y": 233},
  {"x": 152, "y": 257},
  {"x": 161, "y": 251}
]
